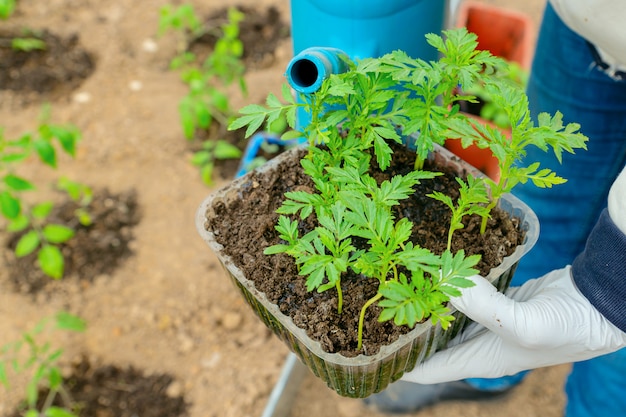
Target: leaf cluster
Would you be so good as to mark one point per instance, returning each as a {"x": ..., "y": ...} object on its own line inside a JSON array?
[
  {"x": 548, "y": 134},
  {"x": 473, "y": 199}
]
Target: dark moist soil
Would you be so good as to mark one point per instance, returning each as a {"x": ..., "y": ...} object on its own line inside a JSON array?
[
  {"x": 245, "y": 227},
  {"x": 109, "y": 391},
  {"x": 50, "y": 73},
  {"x": 260, "y": 32},
  {"x": 95, "y": 250}
]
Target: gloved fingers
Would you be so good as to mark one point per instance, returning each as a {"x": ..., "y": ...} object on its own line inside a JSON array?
[
  {"x": 484, "y": 304},
  {"x": 551, "y": 312},
  {"x": 489, "y": 356},
  {"x": 477, "y": 358}
]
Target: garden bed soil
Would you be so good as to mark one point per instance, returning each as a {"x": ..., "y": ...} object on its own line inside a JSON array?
[
  {"x": 51, "y": 72},
  {"x": 110, "y": 391},
  {"x": 164, "y": 318},
  {"x": 95, "y": 250}
]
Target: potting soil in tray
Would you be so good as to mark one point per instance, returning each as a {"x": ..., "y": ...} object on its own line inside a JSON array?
[{"x": 246, "y": 227}]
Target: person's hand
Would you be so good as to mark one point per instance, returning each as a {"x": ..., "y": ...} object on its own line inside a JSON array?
[{"x": 544, "y": 322}]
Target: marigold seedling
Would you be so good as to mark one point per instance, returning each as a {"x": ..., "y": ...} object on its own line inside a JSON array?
[{"x": 355, "y": 117}]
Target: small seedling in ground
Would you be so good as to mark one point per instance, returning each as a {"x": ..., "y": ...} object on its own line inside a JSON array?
[
  {"x": 24, "y": 44},
  {"x": 182, "y": 20},
  {"x": 207, "y": 99},
  {"x": 212, "y": 151},
  {"x": 28, "y": 44},
  {"x": 80, "y": 194},
  {"x": 38, "y": 233},
  {"x": 38, "y": 359}
]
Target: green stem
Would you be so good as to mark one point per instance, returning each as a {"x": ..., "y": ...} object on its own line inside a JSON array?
[
  {"x": 340, "y": 297},
  {"x": 483, "y": 224},
  {"x": 362, "y": 319},
  {"x": 450, "y": 233},
  {"x": 419, "y": 164}
]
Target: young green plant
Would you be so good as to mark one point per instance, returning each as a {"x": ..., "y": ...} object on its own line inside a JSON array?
[
  {"x": 514, "y": 74},
  {"x": 182, "y": 20},
  {"x": 41, "y": 363},
  {"x": 38, "y": 234},
  {"x": 549, "y": 134},
  {"x": 28, "y": 44},
  {"x": 437, "y": 86},
  {"x": 473, "y": 199},
  {"x": 25, "y": 44}
]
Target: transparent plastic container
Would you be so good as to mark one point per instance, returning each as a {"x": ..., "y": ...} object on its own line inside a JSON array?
[{"x": 361, "y": 376}]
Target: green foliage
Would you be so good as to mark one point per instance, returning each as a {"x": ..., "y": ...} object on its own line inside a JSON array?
[
  {"x": 549, "y": 134},
  {"x": 38, "y": 234},
  {"x": 213, "y": 150},
  {"x": 411, "y": 301},
  {"x": 438, "y": 85},
  {"x": 28, "y": 44},
  {"x": 32, "y": 356},
  {"x": 81, "y": 194},
  {"x": 7, "y": 7},
  {"x": 514, "y": 74},
  {"x": 182, "y": 19},
  {"x": 355, "y": 115},
  {"x": 207, "y": 98}
]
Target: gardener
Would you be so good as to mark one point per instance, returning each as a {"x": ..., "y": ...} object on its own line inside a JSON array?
[{"x": 574, "y": 313}]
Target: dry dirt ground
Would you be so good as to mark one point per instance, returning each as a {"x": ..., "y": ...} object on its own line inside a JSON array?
[{"x": 169, "y": 308}]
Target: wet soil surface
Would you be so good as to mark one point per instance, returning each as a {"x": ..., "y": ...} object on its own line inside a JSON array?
[{"x": 57, "y": 69}]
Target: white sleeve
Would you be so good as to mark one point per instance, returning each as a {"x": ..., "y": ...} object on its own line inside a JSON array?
[{"x": 601, "y": 22}]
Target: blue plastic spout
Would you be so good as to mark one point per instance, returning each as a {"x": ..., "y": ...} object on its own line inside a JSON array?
[{"x": 307, "y": 70}]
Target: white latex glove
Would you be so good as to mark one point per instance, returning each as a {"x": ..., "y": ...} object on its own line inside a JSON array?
[{"x": 544, "y": 322}]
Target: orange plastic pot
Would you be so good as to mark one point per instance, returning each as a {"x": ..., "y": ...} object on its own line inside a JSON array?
[{"x": 505, "y": 33}]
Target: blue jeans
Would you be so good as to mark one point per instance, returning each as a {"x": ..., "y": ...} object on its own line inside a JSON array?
[{"x": 564, "y": 77}]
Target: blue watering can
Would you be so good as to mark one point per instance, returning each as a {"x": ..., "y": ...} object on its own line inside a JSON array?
[{"x": 367, "y": 28}]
